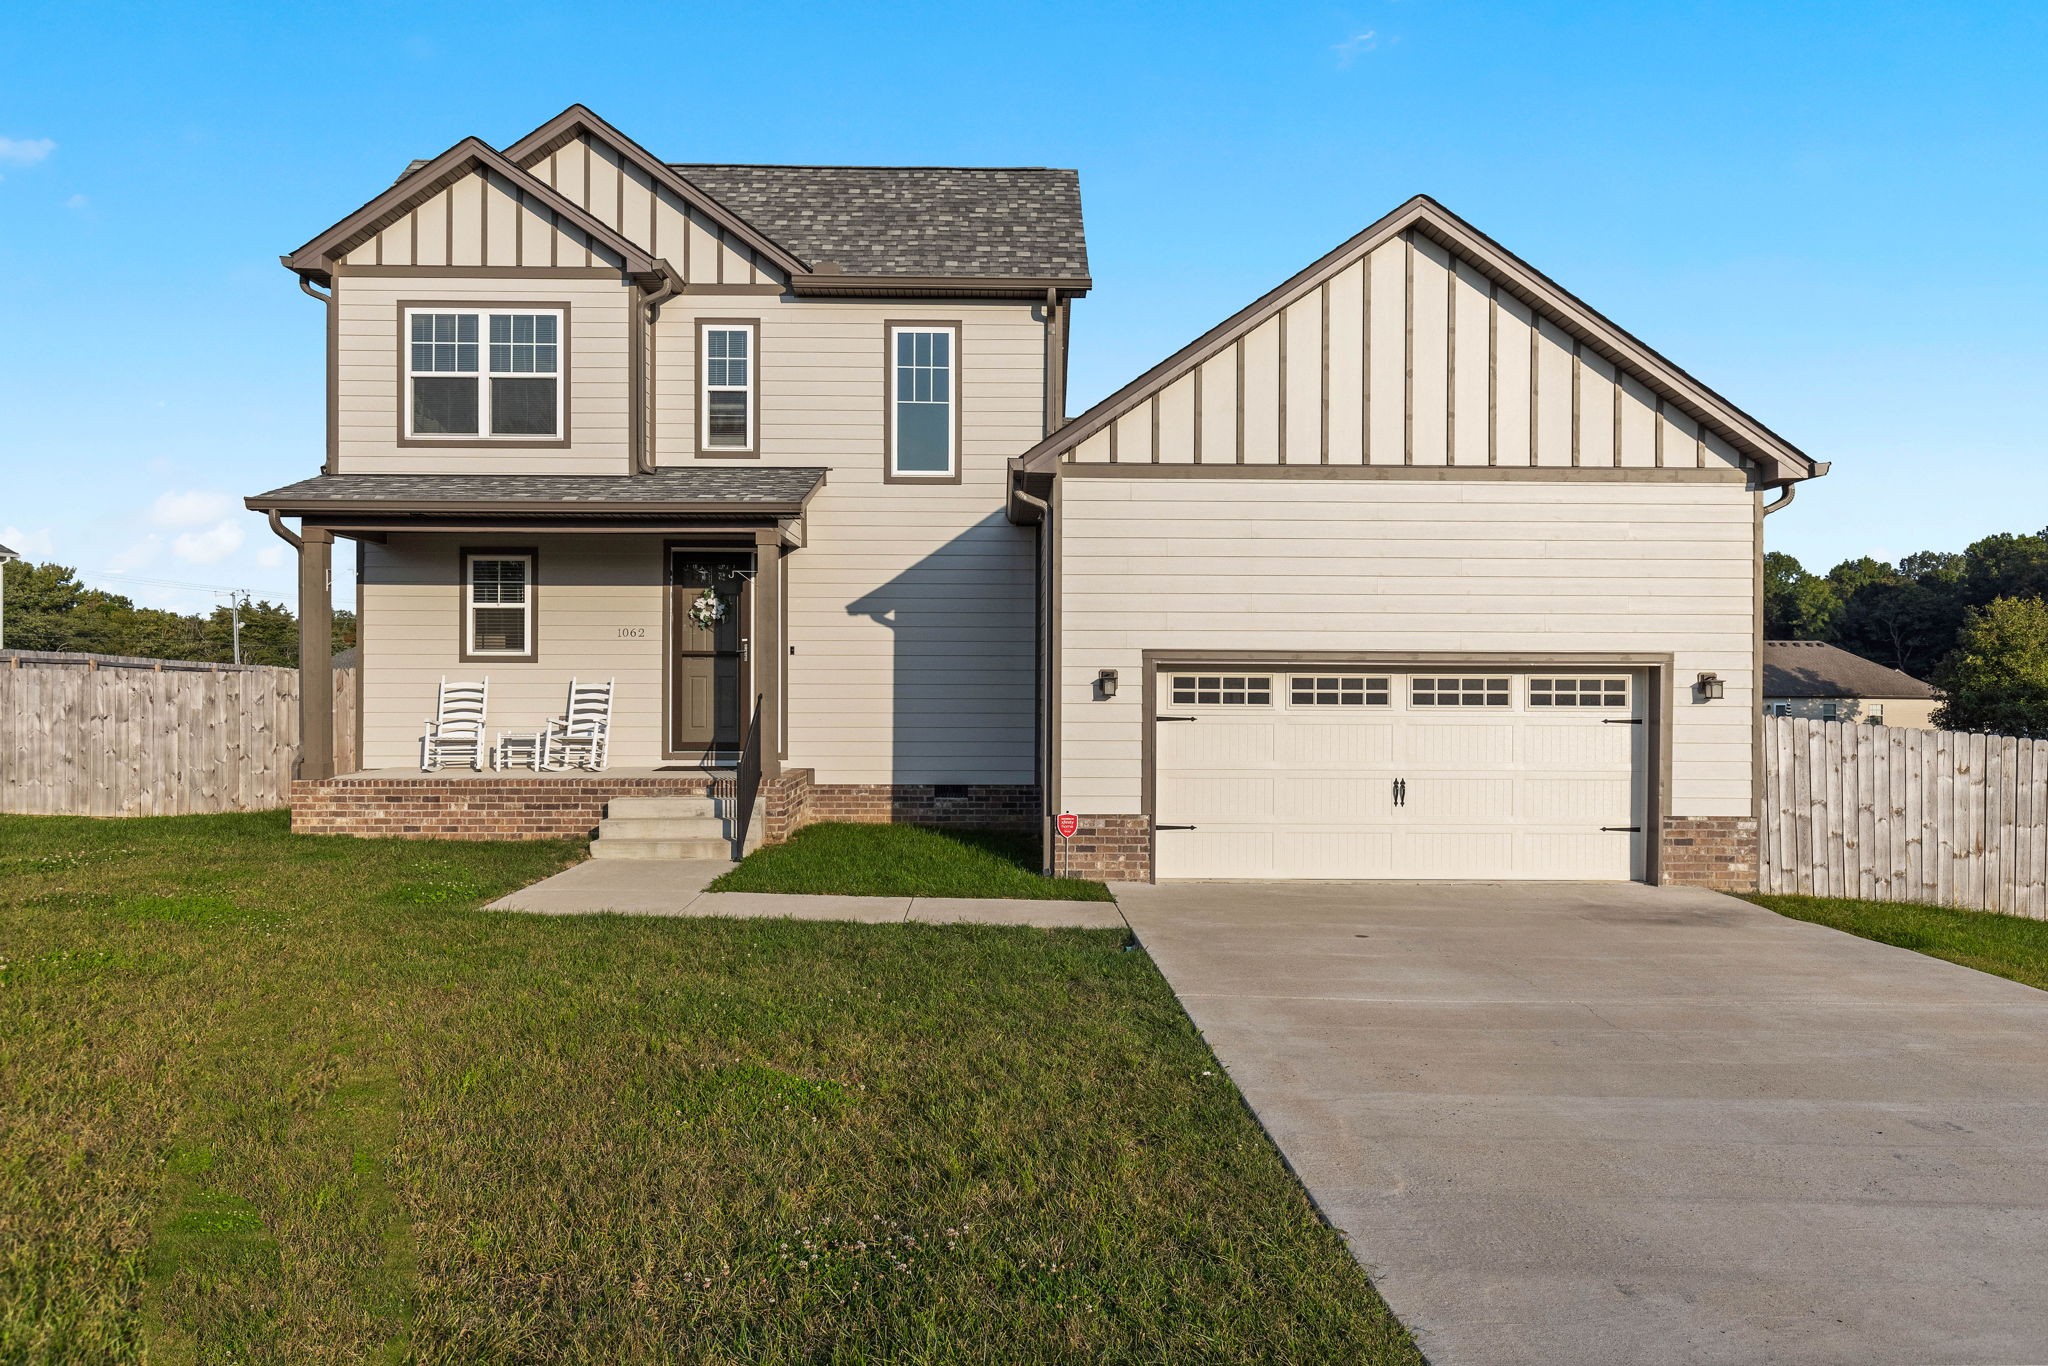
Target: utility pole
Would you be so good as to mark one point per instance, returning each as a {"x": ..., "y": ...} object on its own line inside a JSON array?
[{"x": 235, "y": 614}]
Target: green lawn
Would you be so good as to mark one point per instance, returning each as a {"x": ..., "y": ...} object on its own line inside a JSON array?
[
  {"x": 2005, "y": 945},
  {"x": 277, "y": 1099},
  {"x": 904, "y": 860}
]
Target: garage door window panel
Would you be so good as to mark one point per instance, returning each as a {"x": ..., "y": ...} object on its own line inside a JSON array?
[
  {"x": 1578, "y": 692},
  {"x": 1444, "y": 691},
  {"x": 1340, "y": 690},
  {"x": 1222, "y": 690}
]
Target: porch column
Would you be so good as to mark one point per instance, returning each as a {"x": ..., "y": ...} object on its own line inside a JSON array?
[
  {"x": 769, "y": 648},
  {"x": 316, "y": 652}
]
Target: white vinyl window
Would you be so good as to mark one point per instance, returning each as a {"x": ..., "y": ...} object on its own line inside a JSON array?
[
  {"x": 498, "y": 605},
  {"x": 1458, "y": 692},
  {"x": 1340, "y": 690},
  {"x": 1578, "y": 692},
  {"x": 1223, "y": 690},
  {"x": 1777, "y": 708},
  {"x": 728, "y": 375},
  {"x": 483, "y": 375},
  {"x": 923, "y": 388}
]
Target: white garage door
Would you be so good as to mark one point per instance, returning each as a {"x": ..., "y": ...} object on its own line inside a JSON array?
[{"x": 1335, "y": 773}]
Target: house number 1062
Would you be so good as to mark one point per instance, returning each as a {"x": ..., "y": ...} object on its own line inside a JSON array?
[{"x": 633, "y": 631}]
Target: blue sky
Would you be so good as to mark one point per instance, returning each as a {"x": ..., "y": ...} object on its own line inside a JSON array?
[{"x": 1831, "y": 213}]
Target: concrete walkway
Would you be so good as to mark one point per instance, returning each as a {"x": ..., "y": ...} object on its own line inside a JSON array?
[
  {"x": 676, "y": 887},
  {"x": 1616, "y": 1124}
]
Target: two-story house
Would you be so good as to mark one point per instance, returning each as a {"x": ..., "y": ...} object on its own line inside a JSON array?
[{"x": 1414, "y": 567}]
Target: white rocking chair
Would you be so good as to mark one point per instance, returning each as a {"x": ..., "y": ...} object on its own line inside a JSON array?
[
  {"x": 456, "y": 730},
  {"x": 586, "y": 730}
]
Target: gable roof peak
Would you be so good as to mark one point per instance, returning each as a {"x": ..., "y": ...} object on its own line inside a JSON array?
[
  {"x": 1779, "y": 461},
  {"x": 316, "y": 259},
  {"x": 580, "y": 120}
]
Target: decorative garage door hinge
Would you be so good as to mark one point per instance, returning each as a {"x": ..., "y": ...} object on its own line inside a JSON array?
[
  {"x": 1176, "y": 827},
  {"x": 1176, "y": 718},
  {"x": 1621, "y": 829},
  {"x": 1622, "y": 721}
]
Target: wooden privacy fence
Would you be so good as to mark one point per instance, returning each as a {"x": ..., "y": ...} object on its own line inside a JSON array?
[
  {"x": 88, "y": 735},
  {"x": 1905, "y": 815}
]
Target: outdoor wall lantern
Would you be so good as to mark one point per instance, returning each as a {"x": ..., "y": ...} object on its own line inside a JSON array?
[
  {"x": 1707, "y": 687},
  {"x": 1105, "y": 685}
]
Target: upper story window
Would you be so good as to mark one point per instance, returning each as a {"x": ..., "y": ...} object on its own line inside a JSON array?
[
  {"x": 728, "y": 386},
  {"x": 483, "y": 375},
  {"x": 924, "y": 414}
]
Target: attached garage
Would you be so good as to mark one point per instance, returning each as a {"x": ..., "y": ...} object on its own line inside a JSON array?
[
  {"x": 1330, "y": 771},
  {"x": 1415, "y": 568}
]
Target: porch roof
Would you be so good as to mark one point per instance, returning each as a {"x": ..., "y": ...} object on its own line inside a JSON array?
[{"x": 756, "y": 491}]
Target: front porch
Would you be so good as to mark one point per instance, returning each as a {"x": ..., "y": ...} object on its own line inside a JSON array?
[{"x": 465, "y": 805}]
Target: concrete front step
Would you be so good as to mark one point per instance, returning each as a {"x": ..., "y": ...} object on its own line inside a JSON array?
[
  {"x": 661, "y": 808},
  {"x": 638, "y": 827},
  {"x": 662, "y": 849}
]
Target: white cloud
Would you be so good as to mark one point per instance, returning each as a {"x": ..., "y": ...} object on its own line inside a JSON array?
[
  {"x": 272, "y": 556},
  {"x": 77, "y": 201},
  {"x": 1348, "y": 51},
  {"x": 216, "y": 543},
  {"x": 193, "y": 507},
  {"x": 139, "y": 555},
  {"x": 34, "y": 545},
  {"x": 24, "y": 151}
]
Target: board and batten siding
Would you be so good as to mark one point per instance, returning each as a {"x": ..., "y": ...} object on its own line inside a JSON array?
[
  {"x": 1424, "y": 566},
  {"x": 599, "y": 608},
  {"x": 370, "y": 387},
  {"x": 1407, "y": 357},
  {"x": 911, "y": 605}
]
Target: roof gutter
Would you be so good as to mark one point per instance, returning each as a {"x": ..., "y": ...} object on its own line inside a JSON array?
[
  {"x": 284, "y": 532},
  {"x": 1791, "y": 490}
]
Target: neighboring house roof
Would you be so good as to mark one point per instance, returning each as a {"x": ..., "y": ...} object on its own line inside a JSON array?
[
  {"x": 1780, "y": 462},
  {"x": 986, "y": 222},
  {"x": 759, "y": 488},
  {"x": 1814, "y": 668},
  {"x": 316, "y": 259},
  {"x": 6, "y": 554}
]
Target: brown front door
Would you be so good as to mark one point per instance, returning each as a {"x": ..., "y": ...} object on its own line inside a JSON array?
[{"x": 707, "y": 678}]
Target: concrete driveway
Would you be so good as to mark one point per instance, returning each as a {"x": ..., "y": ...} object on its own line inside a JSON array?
[{"x": 1589, "y": 1124}]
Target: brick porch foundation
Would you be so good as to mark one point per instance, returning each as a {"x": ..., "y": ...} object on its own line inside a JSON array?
[
  {"x": 1720, "y": 852},
  {"x": 569, "y": 806}
]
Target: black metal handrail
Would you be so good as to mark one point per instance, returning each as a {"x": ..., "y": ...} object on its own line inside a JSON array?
[{"x": 748, "y": 780}]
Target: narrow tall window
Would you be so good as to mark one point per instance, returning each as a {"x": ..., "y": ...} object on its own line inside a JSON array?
[
  {"x": 498, "y": 605},
  {"x": 483, "y": 374},
  {"x": 923, "y": 419},
  {"x": 728, "y": 406}
]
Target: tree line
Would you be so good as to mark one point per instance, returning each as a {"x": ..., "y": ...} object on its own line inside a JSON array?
[
  {"x": 47, "y": 608},
  {"x": 1974, "y": 623}
]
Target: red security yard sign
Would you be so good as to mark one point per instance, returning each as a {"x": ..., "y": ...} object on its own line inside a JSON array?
[{"x": 1067, "y": 824}]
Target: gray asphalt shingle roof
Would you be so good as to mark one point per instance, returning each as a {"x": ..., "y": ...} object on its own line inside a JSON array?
[
  {"x": 1015, "y": 222},
  {"x": 1813, "y": 668},
  {"x": 740, "y": 487}
]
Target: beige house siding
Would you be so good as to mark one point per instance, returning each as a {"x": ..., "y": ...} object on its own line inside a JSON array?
[
  {"x": 485, "y": 220},
  {"x": 370, "y": 384},
  {"x": 911, "y": 608},
  {"x": 593, "y": 593},
  {"x": 1419, "y": 566},
  {"x": 594, "y": 176},
  {"x": 1407, "y": 357},
  {"x": 1912, "y": 713}
]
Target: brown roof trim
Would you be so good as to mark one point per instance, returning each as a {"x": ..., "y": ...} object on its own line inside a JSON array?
[
  {"x": 578, "y": 118},
  {"x": 316, "y": 259},
  {"x": 972, "y": 286},
  {"x": 1783, "y": 463},
  {"x": 363, "y": 508}
]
